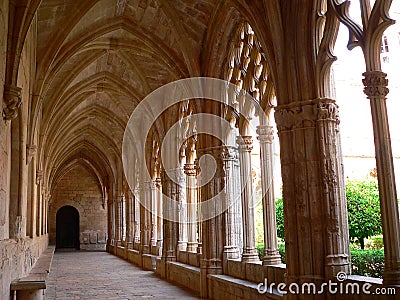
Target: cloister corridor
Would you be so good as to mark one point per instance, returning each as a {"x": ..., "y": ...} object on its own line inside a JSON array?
[{"x": 102, "y": 276}]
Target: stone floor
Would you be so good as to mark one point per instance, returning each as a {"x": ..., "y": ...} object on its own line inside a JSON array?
[{"x": 100, "y": 275}]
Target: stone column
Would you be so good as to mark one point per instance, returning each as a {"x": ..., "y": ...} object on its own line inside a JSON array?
[
  {"x": 154, "y": 213},
  {"x": 249, "y": 245},
  {"x": 117, "y": 221},
  {"x": 145, "y": 217},
  {"x": 375, "y": 83},
  {"x": 128, "y": 209},
  {"x": 39, "y": 182},
  {"x": 136, "y": 242},
  {"x": 313, "y": 191},
  {"x": 212, "y": 205},
  {"x": 232, "y": 216},
  {"x": 159, "y": 215},
  {"x": 171, "y": 190},
  {"x": 271, "y": 252},
  {"x": 182, "y": 212},
  {"x": 191, "y": 196}
]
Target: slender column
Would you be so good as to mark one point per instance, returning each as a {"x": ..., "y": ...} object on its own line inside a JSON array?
[
  {"x": 145, "y": 217},
  {"x": 249, "y": 244},
  {"x": 191, "y": 196},
  {"x": 271, "y": 252},
  {"x": 154, "y": 213},
  {"x": 128, "y": 209},
  {"x": 39, "y": 182},
  {"x": 182, "y": 212},
  {"x": 117, "y": 220},
  {"x": 232, "y": 216},
  {"x": 199, "y": 222},
  {"x": 137, "y": 220},
  {"x": 159, "y": 215},
  {"x": 375, "y": 83}
]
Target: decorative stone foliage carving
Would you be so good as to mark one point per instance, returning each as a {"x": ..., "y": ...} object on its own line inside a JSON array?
[{"x": 12, "y": 101}]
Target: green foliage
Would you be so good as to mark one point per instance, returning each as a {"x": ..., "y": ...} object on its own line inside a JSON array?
[
  {"x": 363, "y": 262},
  {"x": 375, "y": 242},
  {"x": 279, "y": 218},
  {"x": 367, "y": 262},
  {"x": 363, "y": 209}
]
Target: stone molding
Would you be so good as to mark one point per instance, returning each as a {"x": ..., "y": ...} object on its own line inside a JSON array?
[{"x": 305, "y": 114}]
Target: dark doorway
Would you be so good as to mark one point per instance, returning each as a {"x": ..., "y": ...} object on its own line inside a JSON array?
[{"x": 67, "y": 222}]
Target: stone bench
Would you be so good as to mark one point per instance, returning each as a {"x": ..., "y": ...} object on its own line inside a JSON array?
[{"x": 31, "y": 286}]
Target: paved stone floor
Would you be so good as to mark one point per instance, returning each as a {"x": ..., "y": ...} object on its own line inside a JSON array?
[{"x": 102, "y": 276}]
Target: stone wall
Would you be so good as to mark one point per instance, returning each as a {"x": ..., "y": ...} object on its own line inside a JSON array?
[{"x": 79, "y": 188}]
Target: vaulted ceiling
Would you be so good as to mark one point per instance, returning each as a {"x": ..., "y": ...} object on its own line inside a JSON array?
[{"x": 97, "y": 59}]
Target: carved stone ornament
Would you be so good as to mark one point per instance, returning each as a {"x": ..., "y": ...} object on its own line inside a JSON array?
[
  {"x": 12, "y": 101},
  {"x": 30, "y": 152},
  {"x": 375, "y": 83},
  {"x": 245, "y": 143},
  {"x": 304, "y": 114},
  {"x": 190, "y": 169},
  {"x": 39, "y": 176},
  {"x": 265, "y": 133}
]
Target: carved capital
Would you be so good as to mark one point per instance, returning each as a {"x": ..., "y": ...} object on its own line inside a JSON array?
[
  {"x": 265, "y": 133},
  {"x": 157, "y": 182},
  {"x": 190, "y": 169},
  {"x": 30, "y": 152},
  {"x": 39, "y": 176},
  {"x": 375, "y": 84},
  {"x": 229, "y": 153},
  {"x": 245, "y": 143},
  {"x": 11, "y": 102},
  {"x": 304, "y": 114}
]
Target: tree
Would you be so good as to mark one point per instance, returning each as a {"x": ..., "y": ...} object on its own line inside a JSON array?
[
  {"x": 280, "y": 218},
  {"x": 363, "y": 209}
]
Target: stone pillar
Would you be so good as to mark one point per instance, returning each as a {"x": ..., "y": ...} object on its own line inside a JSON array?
[
  {"x": 39, "y": 182},
  {"x": 154, "y": 213},
  {"x": 212, "y": 205},
  {"x": 375, "y": 83},
  {"x": 171, "y": 190},
  {"x": 271, "y": 252},
  {"x": 137, "y": 221},
  {"x": 191, "y": 196},
  {"x": 128, "y": 209},
  {"x": 145, "y": 217},
  {"x": 313, "y": 191},
  {"x": 117, "y": 220},
  {"x": 249, "y": 244},
  {"x": 159, "y": 215},
  {"x": 182, "y": 211},
  {"x": 232, "y": 216}
]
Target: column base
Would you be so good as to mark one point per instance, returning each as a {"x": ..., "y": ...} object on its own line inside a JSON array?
[
  {"x": 231, "y": 252},
  {"x": 250, "y": 255},
  {"x": 271, "y": 257},
  {"x": 191, "y": 247},
  {"x": 182, "y": 246}
]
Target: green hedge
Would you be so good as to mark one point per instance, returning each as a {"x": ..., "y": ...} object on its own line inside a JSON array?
[{"x": 363, "y": 262}]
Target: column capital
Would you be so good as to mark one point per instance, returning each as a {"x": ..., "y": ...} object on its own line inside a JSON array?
[
  {"x": 12, "y": 101},
  {"x": 375, "y": 84},
  {"x": 190, "y": 169},
  {"x": 39, "y": 176},
  {"x": 245, "y": 143},
  {"x": 30, "y": 152},
  {"x": 265, "y": 133},
  {"x": 305, "y": 114}
]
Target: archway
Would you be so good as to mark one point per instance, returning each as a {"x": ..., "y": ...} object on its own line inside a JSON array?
[{"x": 67, "y": 228}]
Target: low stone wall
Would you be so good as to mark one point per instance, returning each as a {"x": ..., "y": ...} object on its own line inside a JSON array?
[{"x": 17, "y": 258}]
